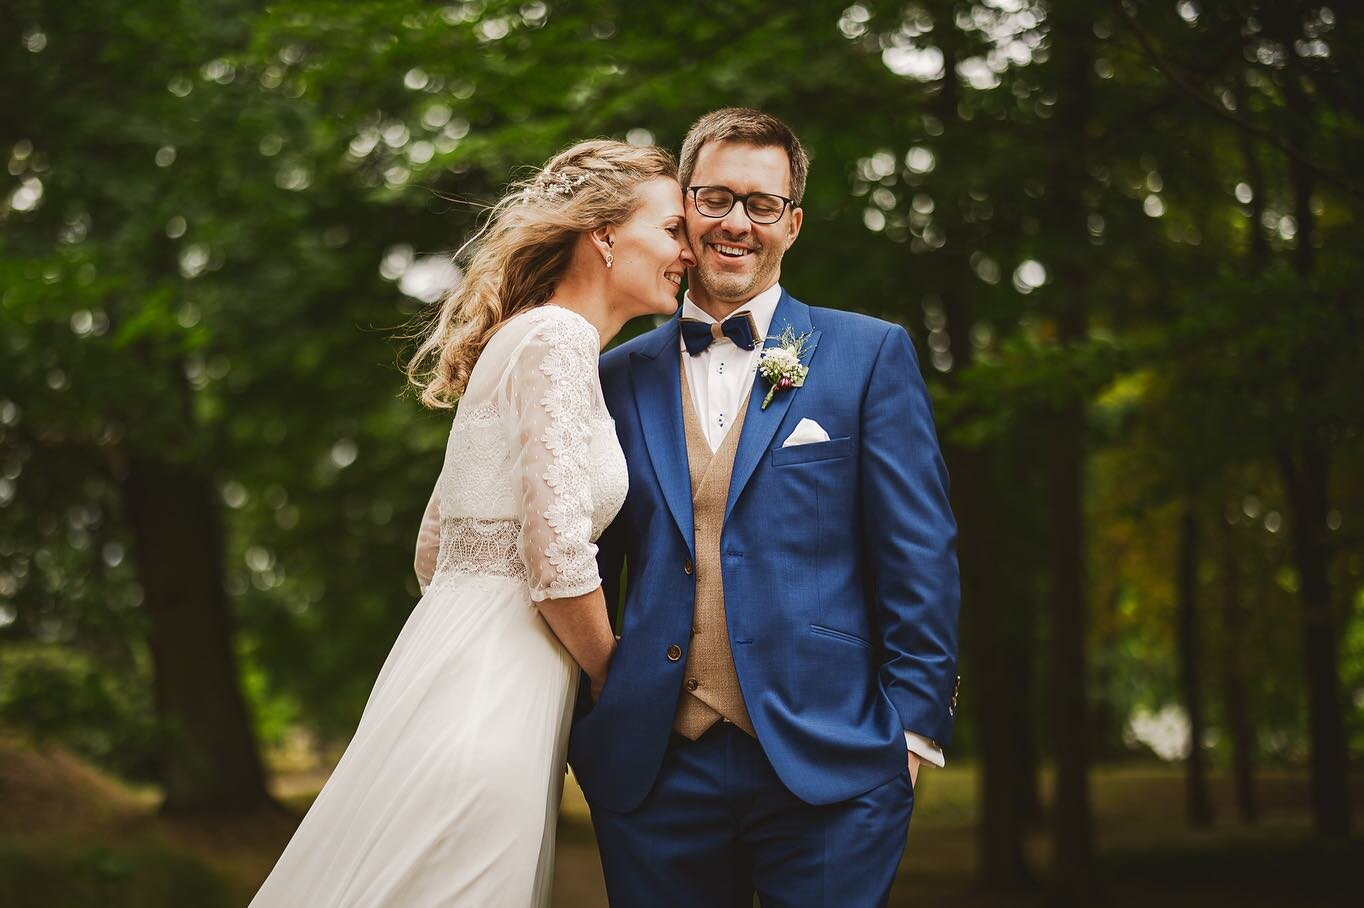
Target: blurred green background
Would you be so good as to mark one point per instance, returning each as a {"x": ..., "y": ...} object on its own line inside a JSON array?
[{"x": 1124, "y": 237}]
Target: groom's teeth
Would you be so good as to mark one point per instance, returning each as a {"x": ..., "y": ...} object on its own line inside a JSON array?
[{"x": 730, "y": 250}]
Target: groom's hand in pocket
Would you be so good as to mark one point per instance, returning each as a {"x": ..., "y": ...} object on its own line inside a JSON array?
[{"x": 914, "y": 761}]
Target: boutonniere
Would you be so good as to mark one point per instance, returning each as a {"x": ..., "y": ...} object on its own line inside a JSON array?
[{"x": 781, "y": 365}]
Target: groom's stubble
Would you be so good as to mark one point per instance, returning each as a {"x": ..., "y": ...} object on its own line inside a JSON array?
[{"x": 729, "y": 291}]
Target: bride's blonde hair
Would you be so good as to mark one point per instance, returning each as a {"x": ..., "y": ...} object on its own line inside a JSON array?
[{"x": 523, "y": 250}]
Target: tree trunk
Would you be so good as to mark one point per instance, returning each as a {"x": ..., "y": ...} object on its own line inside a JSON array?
[
  {"x": 1069, "y": 74},
  {"x": 1239, "y": 728},
  {"x": 1306, "y": 478},
  {"x": 1073, "y": 855},
  {"x": 993, "y": 694},
  {"x": 1258, "y": 251},
  {"x": 993, "y": 697},
  {"x": 1197, "y": 806},
  {"x": 1306, "y": 470},
  {"x": 1023, "y": 648},
  {"x": 208, "y": 750}
]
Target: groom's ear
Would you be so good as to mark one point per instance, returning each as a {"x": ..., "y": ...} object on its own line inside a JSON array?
[{"x": 797, "y": 218}]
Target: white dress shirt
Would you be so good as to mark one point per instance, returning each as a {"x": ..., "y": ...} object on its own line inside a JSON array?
[{"x": 720, "y": 377}]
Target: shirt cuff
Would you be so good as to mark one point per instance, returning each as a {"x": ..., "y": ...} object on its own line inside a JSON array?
[{"x": 925, "y": 749}]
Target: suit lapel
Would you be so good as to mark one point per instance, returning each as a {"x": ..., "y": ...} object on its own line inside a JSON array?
[
  {"x": 655, "y": 373},
  {"x": 759, "y": 424}
]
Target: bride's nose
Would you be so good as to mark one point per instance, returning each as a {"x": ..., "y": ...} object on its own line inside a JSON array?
[{"x": 685, "y": 256}]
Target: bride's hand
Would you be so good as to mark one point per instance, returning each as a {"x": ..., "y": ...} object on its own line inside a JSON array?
[{"x": 598, "y": 680}]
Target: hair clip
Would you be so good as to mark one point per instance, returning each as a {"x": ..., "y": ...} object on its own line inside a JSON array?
[{"x": 554, "y": 183}]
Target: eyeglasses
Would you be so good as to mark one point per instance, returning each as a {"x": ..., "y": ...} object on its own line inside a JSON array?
[{"x": 761, "y": 207}]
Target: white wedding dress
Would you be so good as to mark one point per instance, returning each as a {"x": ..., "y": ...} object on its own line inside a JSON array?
[{"x": 449, "y": 791}]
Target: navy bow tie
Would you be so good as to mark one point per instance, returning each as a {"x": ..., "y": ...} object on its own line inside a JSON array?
[{"x": 699, "y": 335}]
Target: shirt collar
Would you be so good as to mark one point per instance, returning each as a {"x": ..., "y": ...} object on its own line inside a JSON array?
[{"x": 762, "y": 307}]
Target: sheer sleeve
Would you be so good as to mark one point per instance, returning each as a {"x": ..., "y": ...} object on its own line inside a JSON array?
[
  {"x": 551, "y": 392},
  {"x": 428, "y": 541}
]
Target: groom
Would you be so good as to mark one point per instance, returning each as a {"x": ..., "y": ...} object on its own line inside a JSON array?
[{"x": 789, "y": 635}]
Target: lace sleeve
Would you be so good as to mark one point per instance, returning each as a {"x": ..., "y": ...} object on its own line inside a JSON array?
[
  {"x": 551, "y": 392},
  {"x": 428, "y": 542}
]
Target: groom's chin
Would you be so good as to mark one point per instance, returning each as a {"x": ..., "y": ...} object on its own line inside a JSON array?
[{"x": 731, "y": 288}]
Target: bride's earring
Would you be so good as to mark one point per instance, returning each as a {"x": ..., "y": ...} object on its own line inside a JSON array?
[{"x": 610, "y": 260}]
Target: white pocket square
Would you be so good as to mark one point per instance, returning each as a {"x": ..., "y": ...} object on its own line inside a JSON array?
[{"x": 807, "y": 432}]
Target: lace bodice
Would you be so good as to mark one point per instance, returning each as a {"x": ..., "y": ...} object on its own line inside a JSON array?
[{"x": 533, "y": 472}]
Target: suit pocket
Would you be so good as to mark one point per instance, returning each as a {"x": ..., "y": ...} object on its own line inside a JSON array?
[
  {"x": 832, "y": 449},
  {"x": 822, "y": 631}
]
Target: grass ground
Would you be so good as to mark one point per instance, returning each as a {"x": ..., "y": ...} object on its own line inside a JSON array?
[{"x": 71, "y": 837}]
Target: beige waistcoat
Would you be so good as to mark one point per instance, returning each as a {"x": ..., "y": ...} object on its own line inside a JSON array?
[{"x": 711, "y": 689}]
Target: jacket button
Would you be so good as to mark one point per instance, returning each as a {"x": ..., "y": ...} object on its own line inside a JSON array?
[
  {"x": 674, "y": 653},
  {"x": 693, "y": 684},
  {"x": 686, "y": 566}
]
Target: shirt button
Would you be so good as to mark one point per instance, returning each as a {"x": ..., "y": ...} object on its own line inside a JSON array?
[
  {"x": 674, "y": 653},
  {"x": 693, "y": 684}
]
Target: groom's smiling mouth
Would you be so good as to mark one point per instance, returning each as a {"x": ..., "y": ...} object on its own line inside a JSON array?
[{"x": 731, "y": 251}]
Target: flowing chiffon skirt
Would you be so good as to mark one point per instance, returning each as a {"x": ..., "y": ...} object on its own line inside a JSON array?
[{"x": 449, "y": 791}]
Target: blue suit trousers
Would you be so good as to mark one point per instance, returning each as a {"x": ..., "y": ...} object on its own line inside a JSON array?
[{"x": 719, "y": 825}]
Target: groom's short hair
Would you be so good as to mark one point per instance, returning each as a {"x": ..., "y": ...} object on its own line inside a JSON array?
[{"x": 748, "y": 127}]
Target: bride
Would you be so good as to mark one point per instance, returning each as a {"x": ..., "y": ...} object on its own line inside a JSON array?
[{"x": 449, "y": 790}]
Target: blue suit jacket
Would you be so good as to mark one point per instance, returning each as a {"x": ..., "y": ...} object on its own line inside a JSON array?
[{"x": 838, "y": 561}]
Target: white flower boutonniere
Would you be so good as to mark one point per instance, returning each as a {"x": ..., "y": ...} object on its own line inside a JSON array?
[{"x": 781, "y": 365}]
